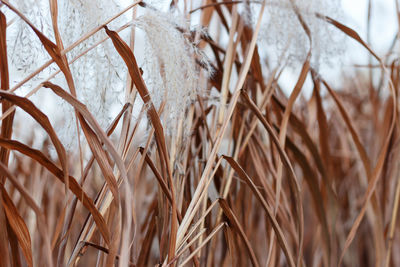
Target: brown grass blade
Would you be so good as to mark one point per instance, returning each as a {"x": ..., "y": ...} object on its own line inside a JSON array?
[
  {"x": 105, "y": 250},
  {"x": 18, "y": 226},
  {"x": 160, "y": 180},
  {"x": 42, "y": 226},
  {"x": 193, "y": 205},
  {"x": 134, "y": 71},
  {"x": 286, "y": 162},
  {"x": 300, "y": 128},
  {"x": 349, "y": 32},
  {"x": 283, "y": 132},
  {"x": 211, "y": 235},
  {"x": 73, "y": 184},
  {"x": 42, "y": 119},
  {"x": 312, "y": 182},
  {"x": 393, "y": 220},
  {"x": 361, "y": 151},
  {"x": 270, "y": 214},
  {"x": 83, "y": 111},
  {"x": 4, "y": 240},
  {"x": 292, "y": 98},
  {"x": 229, "y": 57},
  {"x": 375, "y": 174},
  {"x": 234, "y": 222},
  {"x": 6, "y": 132},
  {"x": 54, "y": 19},
  {"x": 95, "y": 135},
  {"x": 360, "y": 148},
  {"x": 4, "y": 78},
  {"x": 323, "y": 125},
  {"x": 6, "y": 126},
  {"x": 145, "y": 249}
]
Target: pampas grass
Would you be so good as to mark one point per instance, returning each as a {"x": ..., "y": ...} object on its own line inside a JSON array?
[{"x": 157, "y": 134}]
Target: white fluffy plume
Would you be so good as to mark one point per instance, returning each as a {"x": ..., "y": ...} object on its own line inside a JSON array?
[{"x": 170, "y": 68}]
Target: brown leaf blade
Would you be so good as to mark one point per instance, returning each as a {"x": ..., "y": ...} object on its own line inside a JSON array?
[
  {"x": 239, "y": 229},
  {"x": 43, "y": 120},
  {"x": 134, "y": 71},
  {"x": 6, "y": 126},
  {"x": 18, "y": 226},
  {"x": 286, "y": 162},
  {"x": 376, "y": 172},
  {"x": 275, "y": 225},
  {"x": 73, "y": 184}
]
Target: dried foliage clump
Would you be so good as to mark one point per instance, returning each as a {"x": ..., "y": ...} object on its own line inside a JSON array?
[{"x": 138, "y": 136}]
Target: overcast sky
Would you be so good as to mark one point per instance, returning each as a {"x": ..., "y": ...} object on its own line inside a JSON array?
[{"x": 383, "y": 21}]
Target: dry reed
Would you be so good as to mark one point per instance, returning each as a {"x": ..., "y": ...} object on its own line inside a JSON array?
[{"x": 207, "y": 162}]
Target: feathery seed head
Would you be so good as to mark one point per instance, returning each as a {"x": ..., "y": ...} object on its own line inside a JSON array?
[
  {"x": 98, "y": 75},
  {"x": 282, "y": 30},
  {"x": 170, "y": 68}
]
